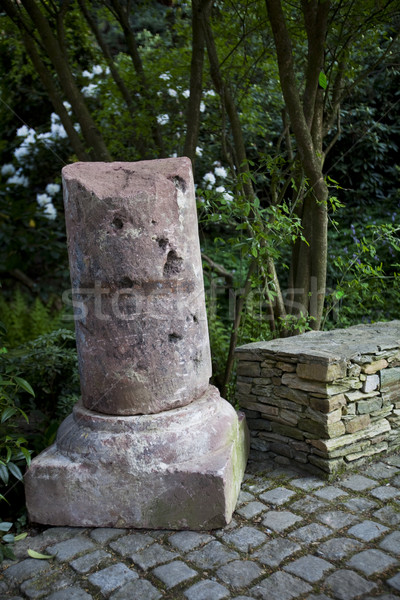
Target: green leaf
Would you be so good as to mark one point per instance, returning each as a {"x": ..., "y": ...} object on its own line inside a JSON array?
[
  {"x": 322, "y": 80},
  {"x": 21, "y": 536},
  {"x": 34, "y": 554},
  {"x": 5, "y": 526},
  {"x": 7, "y": 413},
  {"x": 14, "y": 470},
  {"x": 8, "y": 538},
  {"x": 25, "y": 385}
]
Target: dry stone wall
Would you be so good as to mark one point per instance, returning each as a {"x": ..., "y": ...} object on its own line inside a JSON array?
[{"x": 327, "y": 400}]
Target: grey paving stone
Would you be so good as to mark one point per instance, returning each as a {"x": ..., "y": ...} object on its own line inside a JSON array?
[
  {"x": 277, "y": 496},
  {"x": 103, "y": 535},
  {"x": 242, "y": 598},
  {"x": 257, "y": 487},
  {"x": 275, "y": 551},
  {"x": 46, "y": 538},
  {"x": 346, "y": 585},
  {"x": 371, "y": 561},
  {"x": 359, "y": 504},
  {"x": 311, "y": 568},
  {"x": 308, "y": 505},
  {"x": 330, "y": 492},
  {"x": 388, "y": 514},
  {"x": 70, "y": 548},
  {"x": 317, "y": 597},
  {"x": 383, "y": 597},
  {"x": 239, "y": 573},
  {"x": 244, "y": 497},
  {"x": 337, "y": 519},
  {"x": 394, "y": 582},
  {"x": 391, "y": 543},
  {"x": 338, "y": 548},
  {"x": 358, "y": 483},
  {"x": 212, "y": 555},
  {"x": 131, "y": 543},
  {"x": 311, "y": 533},
  {"x": 307, "y": 483},
  {"x": 396, "y": 481},
  {"x": 280, "y": 586},
  {"x": 112, "y": 578},
  {"x": 45, "y": 585},
  {"x": 367, "y": 530},
  {"x": 59, "y": 534},
  {"x": 381, "y": 470},
  {"x": 393, "y": 460},
  {"x": 174, "y": 573},
  {"x": 279, "y": 520},
  {"x": 86, "y": 563},
  {"x": 385, "y": 492},
  {"x": 188, "y": 540},
  {"x": 71, "y": 593},
  {"x": 152, "y": 556},
  {"x": 248, "y": 511},
  {"x": 245, "y": 538},
  {"x": 139, "y": 589},
  {"x": 206, "y": 590},
  {"x": 26, "y": 569},
  {"x": 229, "y": 527}
]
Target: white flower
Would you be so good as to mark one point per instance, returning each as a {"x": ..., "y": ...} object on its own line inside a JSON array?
[
  {"x": 172, "y": 92},
  {"x": 220, "y": 189},
  {"x": 44, "y": 136},
  {"x": 18, "y": 180},
  {"x": 199, "y": 151},
  {"x": 227, "y": 197},
  {"x": 202, "y": 106},
  {"x": 89, "y": 90},
  {"x": 23, "y": 131},
  {"x": 97, "y": 70},
  {"x": 43, "y": 199},
  {"x": 87, "y": 74},
  {"x": 50, "y": 211},
  {"x": 165, "y": 76},
  {"x": 58, "y": 131},
  {"x": 67, "y": 106},
  {"x": 174, "y": 155},
  {"x": 210, "y": 93},
  {"x": 162, "y": 119},
  {"x": 77, "y": 127},
  {"x": 53, "y": 188},
  {"x": 209, "y": 177},
  {"x": 220, "y": 172},
  {"x": 54, "y": 118},
  {"x": 186, "y": 93},
  {"x": 21, "y": 152},
  {"x": 107, "y": 70},
  {"x": 8, "y": 169}
]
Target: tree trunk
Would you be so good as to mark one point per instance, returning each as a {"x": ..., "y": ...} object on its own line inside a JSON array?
[{"x": 89, "y": 129}]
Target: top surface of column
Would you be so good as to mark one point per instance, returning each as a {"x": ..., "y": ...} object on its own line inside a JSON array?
[{"x": 137, "y": 285}]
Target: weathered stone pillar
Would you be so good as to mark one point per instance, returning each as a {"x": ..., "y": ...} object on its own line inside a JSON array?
[{"x": 151, "y": 444}]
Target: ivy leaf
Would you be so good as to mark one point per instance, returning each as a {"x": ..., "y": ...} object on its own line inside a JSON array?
[
  {"x": 5, "y": 526},
  {"x": 322, "y": 80},
  {"x": 14, "y": 470},
  {"x": 34, "y": 554}
]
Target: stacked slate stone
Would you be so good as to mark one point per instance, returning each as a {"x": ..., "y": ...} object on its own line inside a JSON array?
[{"x": 328, "y": 400}]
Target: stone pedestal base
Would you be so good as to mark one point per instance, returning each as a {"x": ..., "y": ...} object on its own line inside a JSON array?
[{"x": 179, "y": 469}]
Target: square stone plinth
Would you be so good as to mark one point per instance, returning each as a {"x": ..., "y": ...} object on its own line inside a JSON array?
[{"x": 179, "y": 469}]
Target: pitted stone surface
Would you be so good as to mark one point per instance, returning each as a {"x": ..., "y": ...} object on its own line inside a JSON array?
[
  {"x": 372, "y": 561},
  {"x": 367, "y": 530},
  {"x": 239, "y": 574},
  {"x": 310, "y": 568},
  {"x": 245, "y": 539},
  {"x": 246, "y": 560},
  {"x": 251, "y": 510},
  {"x": 280, "y": 520},
  {"x": 346, "y": 585},
  {"x": 330, "y": 492},
  {"x": 280, "y": 586},
  {"x": 358, "y": 483},
  {"x": 111, "y": 578},
  {"x": 174, "y": 573},
  {"x": 384, "y": 493},
  {"x": 277, "y": 496}
]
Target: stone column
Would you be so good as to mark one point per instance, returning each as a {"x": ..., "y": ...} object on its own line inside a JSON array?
[{"x": 151, "y": 444}]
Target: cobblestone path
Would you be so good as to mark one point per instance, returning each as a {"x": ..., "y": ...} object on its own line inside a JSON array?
[{"x": 293, "y": 536}]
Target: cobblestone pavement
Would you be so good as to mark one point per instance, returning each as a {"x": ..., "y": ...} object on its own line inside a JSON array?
[{"x": 292, "y": 536}]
